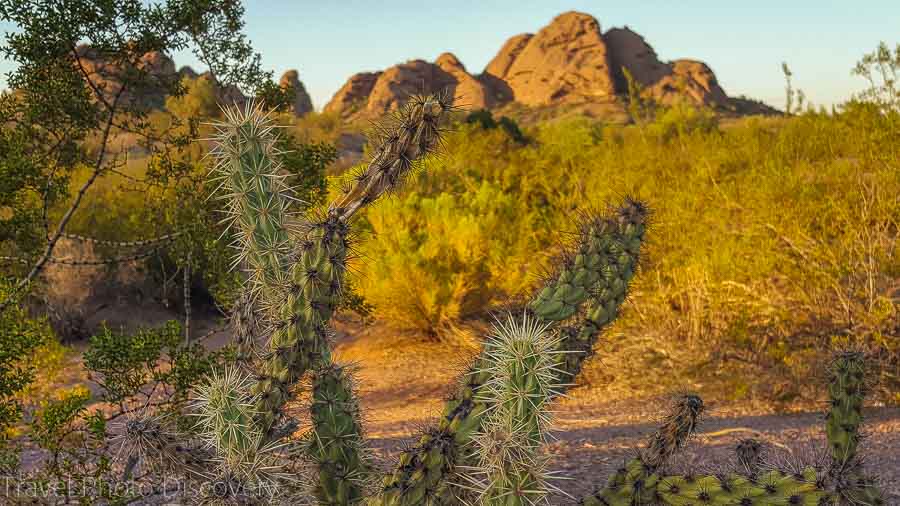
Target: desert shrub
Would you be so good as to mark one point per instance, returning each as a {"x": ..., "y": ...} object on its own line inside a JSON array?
[
  {"x": 442, "y": 259},
  {"x": 485, "y": 119},
  {"x": 124, "y": 365},
  {"x": 772, "y": 239},
  {"x": 680, "y": 120},
  {"x": 20, "y": 338}
]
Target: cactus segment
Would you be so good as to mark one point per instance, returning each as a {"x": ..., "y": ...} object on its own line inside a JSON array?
[
  {"x": 614, "y": 243},
  {"x": 749, "y": 456},
  {"x": 773, "y": 488},
  {"x": 225, "y": 411},
  {"x": 300, "y": 286},
  {"x": 599, "y": 269},
  {"x": 635, "y": 483},
  {"x": 846, "y": 391},
  {"x": 299, "y": 338},
  {"x": 256, "y": 196},
  {"x": 522, "y": 360},
  {"x": 409, "y": 135},
  {"x": 336, "y": 443},
  {"x": 677, "y": 428}
]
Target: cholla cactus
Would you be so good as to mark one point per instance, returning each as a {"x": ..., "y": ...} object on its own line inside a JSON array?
[
  {"x": 225, "y": 409},
  {"x": 522, "y": 358},
  {"x": 585, "y": 294}
]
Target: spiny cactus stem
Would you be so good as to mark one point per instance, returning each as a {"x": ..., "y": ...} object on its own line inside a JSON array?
[
  {"x": 415, "y": 135},
  {"x": 605, "y": 261}
]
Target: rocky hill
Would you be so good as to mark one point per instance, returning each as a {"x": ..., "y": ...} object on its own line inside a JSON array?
[
  {"x": 160, "y": 68},
  {"x": 569, "y": 64},
  {"x": 571, "y": 61}
]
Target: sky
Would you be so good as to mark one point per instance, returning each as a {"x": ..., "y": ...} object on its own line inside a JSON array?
[{"x": 743, "y": 42}]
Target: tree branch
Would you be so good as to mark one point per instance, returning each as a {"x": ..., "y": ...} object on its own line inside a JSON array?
[{"x": 51, "y": 244}]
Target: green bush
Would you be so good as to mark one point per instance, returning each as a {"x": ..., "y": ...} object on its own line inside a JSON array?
[{"x": 443, "y": 259}]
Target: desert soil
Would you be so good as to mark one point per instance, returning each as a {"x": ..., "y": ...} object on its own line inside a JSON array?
[{"x": 402, "y": 381}]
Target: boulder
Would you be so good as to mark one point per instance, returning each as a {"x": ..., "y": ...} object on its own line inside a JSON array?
[
  {"x": 628, "y": 50},
  {"x": 353, "y": 95}
]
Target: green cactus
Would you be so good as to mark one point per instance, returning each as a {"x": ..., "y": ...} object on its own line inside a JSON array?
[
  {"x": 523, "y": 375},
  {"x": 300, "y": 285},
  {"x": 296, "y": 269},
  {"x": 772, "y": 488},
  {"x": 636, "y": 482},
  {"x": 226, "y": 416},
  {"x": 846, "y": 392},
  {"x": 335, "y": 443},
  {"x": 256, "y": 197},
  {"x": 598, "y": 273}
]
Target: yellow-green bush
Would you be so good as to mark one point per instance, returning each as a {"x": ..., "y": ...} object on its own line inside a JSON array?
[{"x": 440, "y": 259}]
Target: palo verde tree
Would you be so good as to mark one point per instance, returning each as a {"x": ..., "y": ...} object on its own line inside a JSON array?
[{"x": 87, "y": 75}]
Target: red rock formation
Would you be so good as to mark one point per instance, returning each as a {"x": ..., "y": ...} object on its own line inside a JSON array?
[
  {"x": 569, "y": 61},
  {"x": 353, "y": 95},
  {"x": 564, "y": 62}
]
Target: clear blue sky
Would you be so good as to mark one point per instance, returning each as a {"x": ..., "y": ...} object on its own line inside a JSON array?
[{"x": 743, "y": 42}]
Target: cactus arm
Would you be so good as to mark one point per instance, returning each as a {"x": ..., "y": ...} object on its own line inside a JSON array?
[
  {"x": 522, "y": 368},
  {"x": 635, "y": 483},
  {"x": 256, "y": 196},
  {"x": 846, "y": 393},
  {"x": 773, "y": 488},
  {"x": 612, "y": 245}
]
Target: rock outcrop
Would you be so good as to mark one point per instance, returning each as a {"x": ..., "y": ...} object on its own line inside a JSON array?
[
  {"x": 571, "y": 61},
  {"x": 150, "y": 89},
  {"x": 471, "y": 93},
  {"x": 146, "y": 80},
  {"x": 302, "y": 103},
  {"x": 353, "y": 95},
  {"x": 566, "y": 61},
  {"x": 629, "y": 50},
  {"x": 374, "y": 94}
]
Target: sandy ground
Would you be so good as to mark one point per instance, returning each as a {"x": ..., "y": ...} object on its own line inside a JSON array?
[{"x": 402, "y": 380}]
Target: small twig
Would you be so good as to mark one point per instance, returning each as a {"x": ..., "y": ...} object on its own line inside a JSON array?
[
  {"x": 51, "y": 244},
  {"x": 124, "y": 244}
]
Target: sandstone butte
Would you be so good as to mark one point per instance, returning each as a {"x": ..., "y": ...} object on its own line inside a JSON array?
[{"x": 571, "y": 61}]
